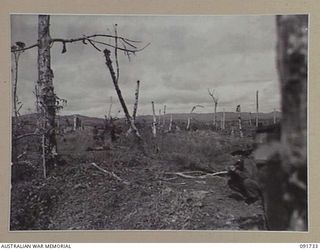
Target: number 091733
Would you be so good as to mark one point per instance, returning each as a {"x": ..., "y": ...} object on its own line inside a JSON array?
[{"x": 309, "y": 245}]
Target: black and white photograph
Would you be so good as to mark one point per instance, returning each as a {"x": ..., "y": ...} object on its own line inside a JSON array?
[{"x": 159, "y": 122}]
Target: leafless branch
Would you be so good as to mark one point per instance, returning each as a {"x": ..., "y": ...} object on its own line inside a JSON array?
[
  {"x": 116, "y": 51},
  {"x": 214, "y": 97},
  {"x": 26, "y": 135},
  {"x": 188, "y": 176},
  {"x": 94, "y": 46},
  {"x": 119, "y": 48},
  {"x": 92, "y": 41},
  {"x": 196, "y": 106},
  {"x": 25, "y": 48},
  {"x": 83, "y": 39},
  {"x": 110, "y": 173}
]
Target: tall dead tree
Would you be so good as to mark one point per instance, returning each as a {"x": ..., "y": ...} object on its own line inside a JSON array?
[
  {"x": 170, "y": 123},
  {"x": 223, "y": 120},
  {"x": 135, "y": 106},
  {"x": 115, "y": 75},
  {"x": 190, "y": 114},
  {"x": 154, "y": 121},
  {"x": 292, "y": 51},
  {"x": 47, "y": 98},
  {"x": 17, "y": 105},
  {"x": 215, "y": 101},
  {"x": 238, "y": 110},
  {"x": 115, "y": 78},
  {"x": 257, "y": 108},
  {"x": 164, "y": 115}
]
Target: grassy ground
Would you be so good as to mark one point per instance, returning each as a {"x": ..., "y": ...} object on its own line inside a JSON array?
[{"x": 147, "y": 194}]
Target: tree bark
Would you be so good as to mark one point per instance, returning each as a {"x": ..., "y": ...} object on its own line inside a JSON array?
[
  {"x": 223, "y": 120},
  {"x": 170, "y": 123},
  {"x": 189, "y": 122},
  {"x": 284, "y": 178},
  {"x": 257, "y": 108},
  {"x": 154, "y": 122},
  {"x": 240, "y": 124},
  {"x": 117, "y": 88},
  {"x": 293, "y": 69},
  {"x": 164, "y": 115},
  {"x": 159, "y": 119},
  {"x": 215, "y": 115},
  {"x": 15, "y": 97},
  {"x": 46, "y": 97},
  {"x": 135, "y": 107},
  {"x": 110, "y": 107}
]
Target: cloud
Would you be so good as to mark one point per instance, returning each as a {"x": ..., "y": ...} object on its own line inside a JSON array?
[{"x": 235, "y": 55}]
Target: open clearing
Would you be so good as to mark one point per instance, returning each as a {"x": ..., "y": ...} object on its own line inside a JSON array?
[{"x": 120, "y": 187}]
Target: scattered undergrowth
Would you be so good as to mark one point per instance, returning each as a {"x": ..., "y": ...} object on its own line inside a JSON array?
[{"x": 132, "y": 189}]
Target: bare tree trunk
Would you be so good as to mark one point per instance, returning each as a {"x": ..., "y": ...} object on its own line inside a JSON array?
[
  {"x": 44, "y": 157},
  {"x": 240, "y": 124},
  {"x": 135, "y": 107},
  {"x": 215, "y": 115},
  {"x": 223, "y": 120},
  {"x": 293, "y": 70},
  {"x": 284, "y": 178},
  {"x": 188, "y": 123},
  {"x": 122, "y": 102},
  {"x": 36, "y": 93},
  {"x": 215, "y": 101},
  {"x": 74, "y": 122},
  {"x": 170, "y": 124},
  {"x": 110, "y": 107},
  {"x": 159, "y": 118},
  {"x": 47, "y": 98},
  {"x": 14, "y": 75},
  {"x": 164, "y": 115},
  {"x": 15, "y": 97},
  {"x": 154, "y": 128},
  {"x": 257, "y": 108},
  {"x": 274, "y": 116}
]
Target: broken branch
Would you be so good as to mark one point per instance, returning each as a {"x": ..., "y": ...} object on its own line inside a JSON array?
[
  {"x": 184, "y": 175},
  {"x": 110, "y": 173}
]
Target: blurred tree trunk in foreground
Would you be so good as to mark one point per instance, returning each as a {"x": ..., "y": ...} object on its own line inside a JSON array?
[
  {"x": 293, "y": 69},
  {"x": 284, "y": 179}
]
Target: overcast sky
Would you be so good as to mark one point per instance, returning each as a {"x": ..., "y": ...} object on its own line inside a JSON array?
[{"x": 235, "y": 55}]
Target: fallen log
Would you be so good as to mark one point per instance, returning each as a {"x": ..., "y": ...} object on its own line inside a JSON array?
[
  {"x": 110, "y": 173},
  {"x": 184, "y": 175}
]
